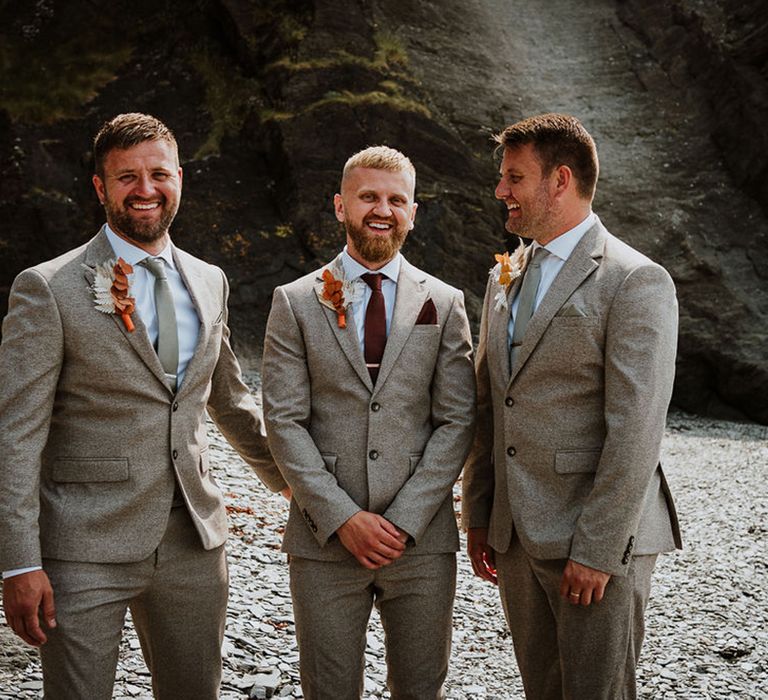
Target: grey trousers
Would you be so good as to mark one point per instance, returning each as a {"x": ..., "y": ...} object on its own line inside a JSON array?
[
  {"x": 570, "y": 652},
  {"x": 332, "y": 603},
  {"x": 178, "y": 600}
]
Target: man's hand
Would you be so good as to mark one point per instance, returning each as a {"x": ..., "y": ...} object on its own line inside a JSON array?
[
  {"x": 588, "y": 583},
  {"x": 481, "y": 554},
  {"x": 25, "y": 596},
  {"x": 373, "y": 540}
]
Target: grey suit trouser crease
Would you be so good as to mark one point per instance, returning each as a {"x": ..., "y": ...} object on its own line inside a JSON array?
[
  {"x": 572, "y": 652},
  {"x": 332, "y": 603},
  {"x": 177, "y": 597}
]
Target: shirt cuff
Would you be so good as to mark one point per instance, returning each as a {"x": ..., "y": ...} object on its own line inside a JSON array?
[{"x": 16, "y": 572}]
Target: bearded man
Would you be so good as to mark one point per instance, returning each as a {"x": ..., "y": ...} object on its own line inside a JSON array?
[
  {"x": 369, "y": 400},
  {"x": 111, "y": 355}
]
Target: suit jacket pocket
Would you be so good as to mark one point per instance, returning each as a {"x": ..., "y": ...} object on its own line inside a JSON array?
[
  {"x": 578, "y": 321},
  {"x": 577, "y": 461},
  {"x": 74, "y": 470},
  {"x": 330, "y": 462}
]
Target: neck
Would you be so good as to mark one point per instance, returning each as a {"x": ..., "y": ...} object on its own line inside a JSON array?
[
  {"x": 153, "y": 248},
  {"x": 563, "y": 225}
]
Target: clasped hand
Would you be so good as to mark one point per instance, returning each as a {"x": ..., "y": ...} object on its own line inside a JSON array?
[{"x": 374, "y": 541}]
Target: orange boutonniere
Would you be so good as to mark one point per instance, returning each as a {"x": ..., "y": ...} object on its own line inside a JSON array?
[
  {"x": 507, "y": 269},
  {"x": 333, "y": 292},
  {"x": 111, "y": 290}
]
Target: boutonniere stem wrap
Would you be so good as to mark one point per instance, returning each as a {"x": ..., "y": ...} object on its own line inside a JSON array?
[
  {"x": 507, "y": 269},
  {"x": 111, "y": 290}
]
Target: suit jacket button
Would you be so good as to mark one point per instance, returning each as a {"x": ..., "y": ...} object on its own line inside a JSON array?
[
  {"x": 373, "y": 454},
  {"x": 175, "y": 406},
  {"x": 509, "y": 401},
  {"x": 625, "y": 560},
  {"x": 175, "y": 454},
  {"x": 511, "y": 451},
  {"x": 631, "y": 540},
  {"x": 375, "y": 407}
]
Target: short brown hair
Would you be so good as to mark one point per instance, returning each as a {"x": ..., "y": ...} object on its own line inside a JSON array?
[
  {"x": 379, "y": 158},
  {"x": 558, "y": 139},
  {"x": 125, "y": 131}
]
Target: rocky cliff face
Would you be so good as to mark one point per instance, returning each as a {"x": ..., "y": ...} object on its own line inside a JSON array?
[{"x": 269, "y": 98}]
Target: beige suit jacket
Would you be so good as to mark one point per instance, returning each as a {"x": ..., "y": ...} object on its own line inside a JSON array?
[
  {"x": 566, "y": 450},
  {"x": 344, "y": 445},
  {"x": 91, "y": 436}
]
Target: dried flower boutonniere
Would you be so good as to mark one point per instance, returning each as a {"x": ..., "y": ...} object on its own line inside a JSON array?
[
  {"x": 110, "y": 290},
  {"x": 337, "y": 294},
  {"x": 507, "y": 269}
]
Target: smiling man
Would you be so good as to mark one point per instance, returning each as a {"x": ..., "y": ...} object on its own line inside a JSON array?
[
  {"x": 565, "y": 500},
  {"x": 111, "y": 355},
  {"x": 369, "y": 403}
]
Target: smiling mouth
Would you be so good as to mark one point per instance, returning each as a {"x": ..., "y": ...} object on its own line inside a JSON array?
[
  {"x": 381, "y": 226},
  {"x": 143, "y": 206}
]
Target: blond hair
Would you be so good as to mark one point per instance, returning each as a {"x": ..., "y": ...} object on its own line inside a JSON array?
[{"x": 379, "y": 158}]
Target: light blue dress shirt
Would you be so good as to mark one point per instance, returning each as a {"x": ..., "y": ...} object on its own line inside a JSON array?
[
  {"x": 353, "y": 270},
  {"x": 142, "y": 289},
  {"x": 559, "y": 250}
]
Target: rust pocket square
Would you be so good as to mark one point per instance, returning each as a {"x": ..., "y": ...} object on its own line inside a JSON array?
[{"x": 428, "y": 314}]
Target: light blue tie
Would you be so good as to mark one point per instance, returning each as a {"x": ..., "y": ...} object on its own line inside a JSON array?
[
  {"x": 167, "y": 332},
  {"x": 526, "y": 306}
]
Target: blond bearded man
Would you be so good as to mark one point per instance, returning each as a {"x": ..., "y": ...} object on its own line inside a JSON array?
[
  {"x": 108, "y": 501},
  {"x": 369, "y": 405},
  {"x": 565, "y": 501}
]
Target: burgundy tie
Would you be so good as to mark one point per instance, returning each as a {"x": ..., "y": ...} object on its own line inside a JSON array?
[{"x": 375, "y": 324}]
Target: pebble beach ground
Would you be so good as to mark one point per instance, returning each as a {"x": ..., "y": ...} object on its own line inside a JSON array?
[{"x": 707, "y": 623}]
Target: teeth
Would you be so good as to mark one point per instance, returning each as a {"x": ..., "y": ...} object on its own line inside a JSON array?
[
  {"x": 152, "y": 205},
  {"x": 381, "y": 227},
  {"x": 513, "y": 206}
]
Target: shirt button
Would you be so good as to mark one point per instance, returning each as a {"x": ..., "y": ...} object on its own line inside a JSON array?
[
  {"x": 511, "y": 451},
  {"x": 175, "y": 454},
  {"x": 175, "y": 406},
  {"x": 509, "y": 401},
  {"x": 373, "y": 454},
  {"x": 375, "y": 407}
]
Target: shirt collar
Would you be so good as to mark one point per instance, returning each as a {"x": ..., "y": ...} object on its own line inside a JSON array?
[
  {"x": 353, "y": 269},
  {"x": 563, "y": 245},
  {"x": 132, "y": 254}
]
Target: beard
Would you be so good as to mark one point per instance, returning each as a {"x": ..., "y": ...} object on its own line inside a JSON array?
[
  {"x": 536, "y": 219},
  {"x": 376, "y": 248},
  {"x": 147, "y": 231}
]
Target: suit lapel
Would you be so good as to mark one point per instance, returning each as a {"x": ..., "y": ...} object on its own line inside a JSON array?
[
  {"x": 206, "y": 305},
  {"x": 346, "y": 337},
  {"x": 582, "y": 262},
  {"x": 498, "y": 329},
  {"x": 410, "y": 297},
  {"x": 99, "y": 251}
]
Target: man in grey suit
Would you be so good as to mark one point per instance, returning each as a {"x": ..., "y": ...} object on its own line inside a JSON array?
[
  {"x": 369, "y": 399},
  {"x": 107, "y": 371},
  {"x": 564, "y": 499}
]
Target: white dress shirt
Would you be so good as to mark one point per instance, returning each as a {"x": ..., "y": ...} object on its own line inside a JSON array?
[
  {"x": 353, "y": 270},
  {"x": 559, "y": 250},
  {"x": 142, "y": 288}
]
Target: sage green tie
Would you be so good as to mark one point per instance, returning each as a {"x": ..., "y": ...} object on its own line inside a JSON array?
[
  {"x": 167, "y": 332},
  {"x": 526, "y": 305}
]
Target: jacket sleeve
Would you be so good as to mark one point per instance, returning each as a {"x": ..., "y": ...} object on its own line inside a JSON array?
[
  {"x": 453, "y": 420},
  {"x": 31, "y": 357},
  {"x": 236, "y": 413},
  {"x": 641, "y": 342},
  {"x": 478, "y": 480},
  {"x": 287, "y": 407}
]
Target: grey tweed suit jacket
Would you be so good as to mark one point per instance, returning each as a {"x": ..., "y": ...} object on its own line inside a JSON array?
[
  {"x": 91, "y": 435},
  {"x": 567, "y": 446},
  {"x": 344, "y": 445}
]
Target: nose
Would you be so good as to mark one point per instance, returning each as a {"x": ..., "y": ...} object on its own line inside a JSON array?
[
  {"x": 501, "y": 190},
  {"x": 144, "y": 186},
  {"x": 382, "y": 208}
]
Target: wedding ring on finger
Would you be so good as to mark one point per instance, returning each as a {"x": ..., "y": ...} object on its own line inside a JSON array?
[{"x": 574, "y": 595}]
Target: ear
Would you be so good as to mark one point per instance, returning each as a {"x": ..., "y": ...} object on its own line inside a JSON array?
[
  {"x": 413, "y": 216},
  {"x": 181, "y": 176},
  {"x": 338, "y": 207},
  {"x": 98, "y": 185},
  {"x": 562, "y": 179}
]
